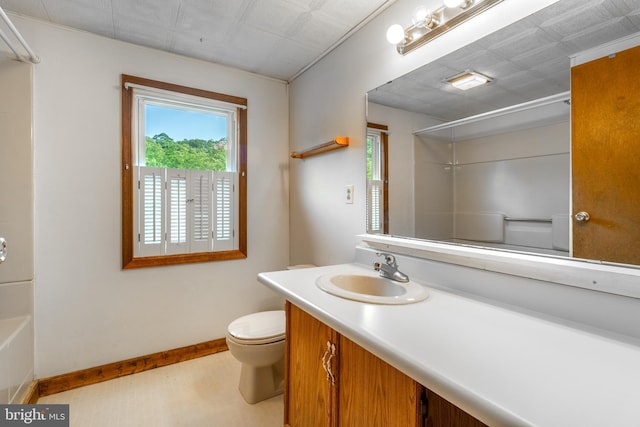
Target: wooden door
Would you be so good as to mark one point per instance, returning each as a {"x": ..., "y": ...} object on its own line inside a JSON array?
[
  {"x": 605, "y": 150},
  {"x": 373, "y": 393},
  {"x": 310, "y": 398}
]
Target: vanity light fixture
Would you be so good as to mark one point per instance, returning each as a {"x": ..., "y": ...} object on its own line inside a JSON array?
[
  {"x": 457, "y": 3},
  {"x": 427, "y": 24},
  {"x": 468, "y": 79}
]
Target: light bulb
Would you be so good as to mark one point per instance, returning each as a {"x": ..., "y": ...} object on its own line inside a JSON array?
[
  {"x": 420, "y": 16},
  {"x": 395, "y": 34}
]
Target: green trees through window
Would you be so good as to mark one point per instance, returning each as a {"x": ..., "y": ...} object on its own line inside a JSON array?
[{"x": 196, "y": 154}]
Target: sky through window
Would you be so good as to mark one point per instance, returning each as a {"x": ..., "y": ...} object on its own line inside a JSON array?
[{"x": 181, "y": 124}]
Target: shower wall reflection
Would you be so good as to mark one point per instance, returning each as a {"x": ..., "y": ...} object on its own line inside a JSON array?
[
  {"x": 500, "y": 182},
  {"x": 509, "y": 190}
]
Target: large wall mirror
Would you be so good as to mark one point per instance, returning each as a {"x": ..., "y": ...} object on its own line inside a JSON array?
[{"x": 492, "y": 166}]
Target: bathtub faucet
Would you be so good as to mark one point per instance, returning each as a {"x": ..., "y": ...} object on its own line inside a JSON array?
[{"x": 389, "y": 269}]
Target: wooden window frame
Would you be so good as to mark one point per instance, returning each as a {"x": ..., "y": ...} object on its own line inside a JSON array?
[{"x": 128, "y": 259}]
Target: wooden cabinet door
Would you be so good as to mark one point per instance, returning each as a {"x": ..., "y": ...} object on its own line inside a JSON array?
[
  {"x": 442, "y": 413},
  {"x": 605, "y": 109},
  {"x": 373, "y": 393},
  {"x": 367, "y": 391},
  {"x": 310, "y": 398}
]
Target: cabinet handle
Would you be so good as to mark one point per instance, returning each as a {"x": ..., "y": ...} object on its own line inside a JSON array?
[
  {"x": 330, "y": 376},
  {"x": 326, "y": 361}
]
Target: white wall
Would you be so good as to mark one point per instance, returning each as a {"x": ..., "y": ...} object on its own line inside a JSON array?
[
  {"x": 89, "y": 311},
  {"x": 329, "y": 99}
]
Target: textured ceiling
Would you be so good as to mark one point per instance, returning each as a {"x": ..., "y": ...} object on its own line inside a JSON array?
[
  {"x": 528, "y": 60},
  {"x": 276, "y": 38}
]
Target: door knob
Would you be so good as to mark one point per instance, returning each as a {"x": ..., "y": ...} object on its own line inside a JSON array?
[
  {"x": 582, "y": 216},
  {"x": 3, "y": 250}
]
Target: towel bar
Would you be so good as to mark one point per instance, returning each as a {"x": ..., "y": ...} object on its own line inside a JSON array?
[{"x": 509, "y": 218}]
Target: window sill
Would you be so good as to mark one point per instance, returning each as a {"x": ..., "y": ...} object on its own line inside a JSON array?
[{"x": 159, "y": 261}]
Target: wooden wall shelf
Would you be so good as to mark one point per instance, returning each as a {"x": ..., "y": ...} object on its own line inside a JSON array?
[{"x": 339, "y": 142}]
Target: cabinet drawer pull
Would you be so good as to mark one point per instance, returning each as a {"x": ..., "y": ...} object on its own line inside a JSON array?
[{"x": 326, "y": 362}]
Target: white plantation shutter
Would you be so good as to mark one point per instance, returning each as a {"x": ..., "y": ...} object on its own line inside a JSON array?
[
  {"x": 375, "y": 193},
  {"x": 223, "y": 238},
  {"x": 150, "y": 225},
  {"x": 177, "y": 242},
  {"x": 185, "y": 211},
  {"x": 200, "y": 204}
]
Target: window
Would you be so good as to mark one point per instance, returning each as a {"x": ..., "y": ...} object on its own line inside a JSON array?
[
  {"x": 377, "y": 179},
  {"x": 184, "y": 174}
]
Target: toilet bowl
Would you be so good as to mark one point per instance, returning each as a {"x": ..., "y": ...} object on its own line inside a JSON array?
[{"x": 257, "y": 342}]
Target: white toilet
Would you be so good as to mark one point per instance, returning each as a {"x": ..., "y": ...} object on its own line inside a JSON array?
[{"x": 257, "y": 341}]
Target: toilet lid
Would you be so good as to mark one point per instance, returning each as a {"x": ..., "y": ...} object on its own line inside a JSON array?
[{"x": 264, "y": 326}]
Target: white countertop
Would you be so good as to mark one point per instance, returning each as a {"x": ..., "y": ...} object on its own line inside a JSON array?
[{"x": 501, "y": 366}]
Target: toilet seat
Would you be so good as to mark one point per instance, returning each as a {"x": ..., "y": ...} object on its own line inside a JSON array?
[{"x": 258, "y": 328}]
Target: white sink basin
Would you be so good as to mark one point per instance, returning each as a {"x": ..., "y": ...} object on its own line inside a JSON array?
[{"x": 371, "y": 288}]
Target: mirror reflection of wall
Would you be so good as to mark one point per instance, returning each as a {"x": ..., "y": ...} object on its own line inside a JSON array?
[{"x": 507, "y": 190}]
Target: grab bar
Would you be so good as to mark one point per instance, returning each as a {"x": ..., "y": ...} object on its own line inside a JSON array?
[{"x": 509, "y": 218}]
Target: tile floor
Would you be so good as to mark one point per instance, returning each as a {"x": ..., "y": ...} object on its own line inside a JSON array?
[{"x": 198, "y": 393}]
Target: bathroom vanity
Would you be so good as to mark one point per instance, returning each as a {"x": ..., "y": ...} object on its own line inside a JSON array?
[
  {"x": 354, "y": 387},
  {"x": 452, "y": 355}
]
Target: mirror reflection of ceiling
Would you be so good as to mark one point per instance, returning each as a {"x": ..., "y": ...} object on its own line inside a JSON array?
[{"x": 528, "y": 60}]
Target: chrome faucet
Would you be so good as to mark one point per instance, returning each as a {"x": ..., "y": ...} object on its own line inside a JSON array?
[{"x": 389, "y": 269}]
